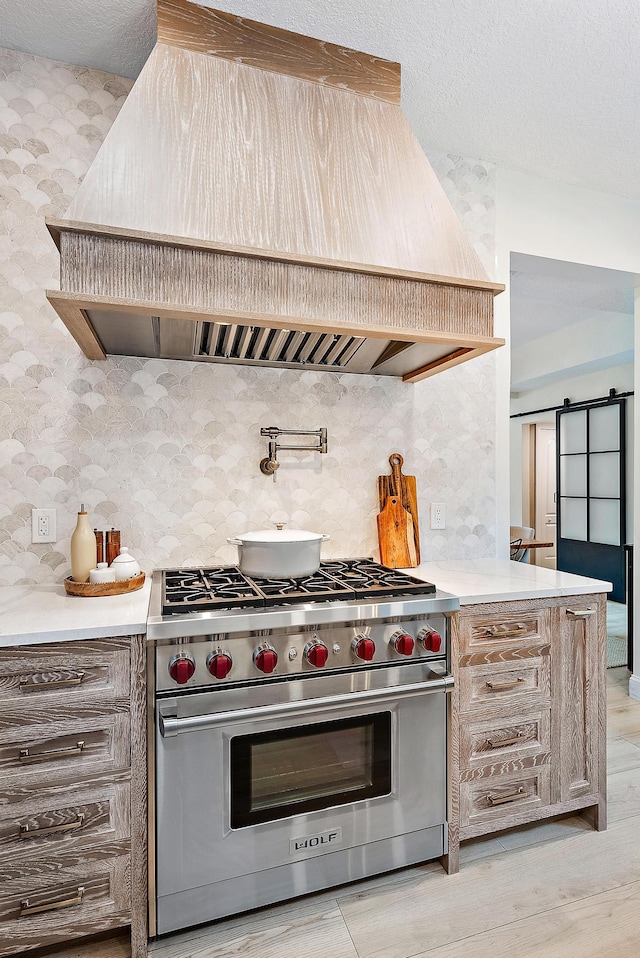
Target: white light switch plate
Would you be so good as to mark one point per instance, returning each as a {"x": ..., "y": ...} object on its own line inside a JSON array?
[
  {"x": 438, "y": 515},
  {"x": 43, "y": 525}
]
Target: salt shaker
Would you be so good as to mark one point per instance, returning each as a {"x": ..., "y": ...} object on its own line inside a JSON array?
[{"x": 102, "y": 573}]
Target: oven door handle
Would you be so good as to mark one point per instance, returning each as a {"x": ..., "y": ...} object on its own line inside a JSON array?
[{"x": 171, "y": 725}]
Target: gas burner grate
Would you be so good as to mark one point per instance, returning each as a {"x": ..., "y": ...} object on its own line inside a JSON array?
[
  {"x": 225, "y": 587},
  {"x": 198, "y": 590},
  {"x": 319, "y": 586},
  {"x": 369, "y": 579}
]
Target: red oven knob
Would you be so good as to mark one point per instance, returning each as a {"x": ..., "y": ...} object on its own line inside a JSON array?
[
  {"x": 181, "y": 668},
  {"x": 219, "y": 664},
  {"x": 316, "y": 654},
  {"x": 363, "y": 647},
  {"x": 265, "y": 659},
  {"x": 402, "y": 642},
  {"x": 430, "y": 639}
]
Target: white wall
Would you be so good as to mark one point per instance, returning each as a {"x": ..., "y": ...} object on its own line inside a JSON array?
[
  {"x": 576, "y": 388},
  {"x": 634, "y": 682},
  {"x": 598, "y": 343},
  {"x": 543, "y": 218}
]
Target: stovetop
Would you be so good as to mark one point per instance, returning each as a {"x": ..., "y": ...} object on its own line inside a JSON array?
[
  {"x": 223, "y": 600},
  {"x": 199, "y": 590}
]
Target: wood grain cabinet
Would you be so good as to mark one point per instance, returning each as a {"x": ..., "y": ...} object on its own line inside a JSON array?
[
  {"x": 68, "y": 715},
  {"x": 527, "y": 732}
]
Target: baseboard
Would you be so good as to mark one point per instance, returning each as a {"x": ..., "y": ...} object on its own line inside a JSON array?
[{"x": 634, "y": 687}]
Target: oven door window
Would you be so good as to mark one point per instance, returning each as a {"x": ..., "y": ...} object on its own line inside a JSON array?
[{"x": 297, "y": 770}]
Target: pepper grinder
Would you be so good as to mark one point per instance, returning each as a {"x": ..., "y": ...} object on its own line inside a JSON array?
[
  {"x": 112, "y": 545},
  {"x": 100, "y": 544}
]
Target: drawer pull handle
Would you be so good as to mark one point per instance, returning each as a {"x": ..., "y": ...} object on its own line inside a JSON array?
[
  {"x": 503, "y": 799},
  {"x": 26, "y": 756},
  {"x": 56, "y": 684},
  {"x": 504, "y": 687},
  {"x": 580, "y": 613},
  {"x": 497, "y": 633},
  {"x": 27, "y": 909},
  {"x": 500, "y": 743},
  {"x": 26, "y": 832}
]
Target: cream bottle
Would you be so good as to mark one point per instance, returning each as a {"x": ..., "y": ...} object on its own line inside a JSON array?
[{"x": 84, "y": 551}]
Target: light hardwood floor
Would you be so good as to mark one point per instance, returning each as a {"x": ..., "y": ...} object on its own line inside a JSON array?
[
  {"x": 554, "y": 890},
  {"x": 616, "y": 634}
]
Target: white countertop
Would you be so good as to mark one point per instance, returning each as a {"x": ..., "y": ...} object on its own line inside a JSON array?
[
  {"x": 32, "y": 614},
  {"x": 498, "y": 580}
]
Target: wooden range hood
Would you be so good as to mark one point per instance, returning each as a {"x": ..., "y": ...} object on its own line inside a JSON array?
[{"x": 261, "y": 199}]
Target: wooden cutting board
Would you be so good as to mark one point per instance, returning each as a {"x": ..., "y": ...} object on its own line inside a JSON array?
[
  {"x": 395, "y": 535},
  {"x": 405, "y": 488}
]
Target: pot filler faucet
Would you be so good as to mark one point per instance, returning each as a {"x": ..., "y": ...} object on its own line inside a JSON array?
[{"x": 270, "y": 463}]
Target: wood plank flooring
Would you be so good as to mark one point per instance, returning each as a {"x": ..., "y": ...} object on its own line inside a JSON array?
[
  {"x": 616, "y": 634},
  {"x": 553, "y": 890}
]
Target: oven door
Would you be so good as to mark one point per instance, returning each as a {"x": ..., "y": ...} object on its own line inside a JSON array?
[
  {"x": 316, "y": 769},
  {"x": 291, "y": 771}
]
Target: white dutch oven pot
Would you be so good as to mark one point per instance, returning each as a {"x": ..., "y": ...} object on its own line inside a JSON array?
[{"x": 279, "y": 553}]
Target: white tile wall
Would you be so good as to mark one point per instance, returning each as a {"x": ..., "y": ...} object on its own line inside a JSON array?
[{"x": 168, "y": 452}]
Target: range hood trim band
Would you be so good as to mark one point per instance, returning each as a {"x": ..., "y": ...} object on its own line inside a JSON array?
[
  {"x": 57, "y": 227},
  {"x": 207, "y": 281}
]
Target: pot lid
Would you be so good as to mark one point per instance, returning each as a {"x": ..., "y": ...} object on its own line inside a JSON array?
[
  {"x": 123, "y": 556},
  {"x": 280, "y": 535}
]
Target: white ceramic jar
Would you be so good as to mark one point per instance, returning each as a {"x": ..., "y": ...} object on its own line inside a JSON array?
[
  {"x": 125, "y": 566},
  {"x": 102, "y": 573}
]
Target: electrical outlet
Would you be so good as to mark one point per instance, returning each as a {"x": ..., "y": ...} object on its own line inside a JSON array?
[
  {"x": 43, "y": 525},
  {"x": 438, "y": 515}
]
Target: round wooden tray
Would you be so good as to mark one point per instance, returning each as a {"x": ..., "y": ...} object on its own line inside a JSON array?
[{"x": 104, "y": 588}]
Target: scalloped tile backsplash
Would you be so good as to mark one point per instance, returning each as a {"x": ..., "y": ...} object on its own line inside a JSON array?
[{"x": 168, "y": 452}]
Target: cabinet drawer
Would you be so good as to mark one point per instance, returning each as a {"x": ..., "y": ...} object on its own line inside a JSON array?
[
  {"x": 64, "y": 672},
  {"x": 503, "y": 739},
  {"x": 503, "y": 630},
  {"x": 505, "y": 683},
  {"x": 82, "y": 900},
  {"x": 68, "y": 751},
  {"x": 84, "y": 817},
  {"x": 501, "y": 797},
  {"x": 17, "y": 722}
]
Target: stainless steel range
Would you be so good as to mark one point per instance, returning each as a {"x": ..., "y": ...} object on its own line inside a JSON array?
[{"x": 299, "y": 735}]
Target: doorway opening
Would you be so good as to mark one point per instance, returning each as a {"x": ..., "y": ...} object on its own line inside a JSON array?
[
  {"x": 572, "y": 343},
  {"x": 539, "y": 488}
]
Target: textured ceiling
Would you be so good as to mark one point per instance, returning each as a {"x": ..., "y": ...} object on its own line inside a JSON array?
[{"x": 543, "y": 86}]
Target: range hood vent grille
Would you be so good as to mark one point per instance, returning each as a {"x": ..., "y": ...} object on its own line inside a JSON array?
[{"x": 278, "y": 346}]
